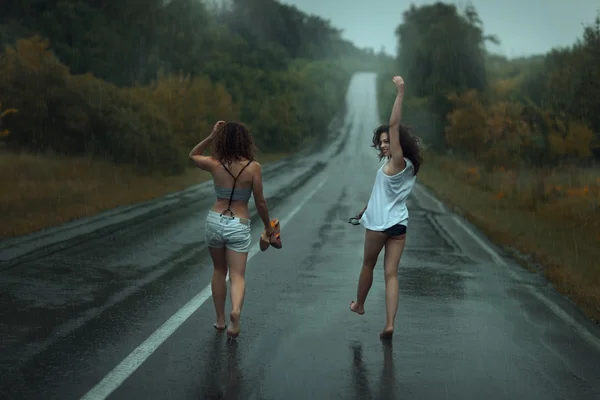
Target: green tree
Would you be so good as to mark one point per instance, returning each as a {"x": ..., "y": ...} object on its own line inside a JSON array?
[
  {"x": 441, "y": 51},
  {"x": 139, "y": 81}
]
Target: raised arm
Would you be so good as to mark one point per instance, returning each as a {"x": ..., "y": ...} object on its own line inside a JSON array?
[
  {"x": 395, "y": 118},
  {"x": 201, "y": 161}
]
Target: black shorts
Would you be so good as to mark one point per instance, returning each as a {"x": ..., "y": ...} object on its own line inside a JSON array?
[{"x": 396, "y": 230}]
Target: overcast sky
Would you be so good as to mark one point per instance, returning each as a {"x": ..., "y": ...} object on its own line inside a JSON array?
[{"x": 524, "y": 27}]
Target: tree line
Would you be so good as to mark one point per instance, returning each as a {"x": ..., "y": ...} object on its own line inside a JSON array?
[
  {"x": 536, "y": 111},
  {"x": 142, "y": 81}
]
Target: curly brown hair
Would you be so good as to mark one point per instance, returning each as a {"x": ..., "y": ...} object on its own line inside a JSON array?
[
  {"x": 233, "y": 142},
  {"x": 410, "y": 144}
]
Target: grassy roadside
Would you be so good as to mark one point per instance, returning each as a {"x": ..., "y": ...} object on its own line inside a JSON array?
[
  {"x": 43, "y": 191},
  {"x": 551, "y": 217}
]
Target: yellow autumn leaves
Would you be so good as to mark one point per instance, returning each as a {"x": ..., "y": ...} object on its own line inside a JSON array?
[{"x": 500, "y": 130}]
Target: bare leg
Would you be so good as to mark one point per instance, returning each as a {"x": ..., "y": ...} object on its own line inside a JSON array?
[
  {"x": 394, "y": 248},
  {"x": 237, "y": 272},
  {"x": 374, "y": 242},
  {"x": 218, "y": 284}
]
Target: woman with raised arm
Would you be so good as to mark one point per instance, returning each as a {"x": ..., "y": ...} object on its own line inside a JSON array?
[
  {"x": 227, "y": 228},
  {"x": 386, "y": 216}
]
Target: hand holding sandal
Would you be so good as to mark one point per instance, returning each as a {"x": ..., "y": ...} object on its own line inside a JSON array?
[{"x": 272, "y": 238}]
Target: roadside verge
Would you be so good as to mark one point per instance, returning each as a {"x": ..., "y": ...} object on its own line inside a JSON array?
[{"x": 20, "y": 249}]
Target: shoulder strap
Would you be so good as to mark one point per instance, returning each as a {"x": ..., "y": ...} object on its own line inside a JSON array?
[
  {"x": 234, "y": 182},
  {"x": 242, "y": 170}
]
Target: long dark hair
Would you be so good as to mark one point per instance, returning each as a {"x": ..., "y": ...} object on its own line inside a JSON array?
[
  {"x": 410, "y": 144},
  {"x": 233, "y": 142}
]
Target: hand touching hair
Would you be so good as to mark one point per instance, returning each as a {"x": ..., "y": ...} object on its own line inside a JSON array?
[{"x": 233, "y": 142}]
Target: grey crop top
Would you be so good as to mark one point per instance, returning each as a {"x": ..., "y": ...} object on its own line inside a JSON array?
[{"x": 240, "y": 194}]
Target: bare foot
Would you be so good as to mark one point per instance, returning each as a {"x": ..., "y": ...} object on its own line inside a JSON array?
[
  {"x": 387, "y": 333},
  {"x": 355, "y": 308},
  {"x": 234, "y": 328},
  {"x": 220, "y": 326}
]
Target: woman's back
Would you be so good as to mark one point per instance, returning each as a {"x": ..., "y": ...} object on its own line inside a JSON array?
[
  {"x": 223, "y": 177},
  {"x": 234, "y": 183},
  {"x": 235, "y": 174}
]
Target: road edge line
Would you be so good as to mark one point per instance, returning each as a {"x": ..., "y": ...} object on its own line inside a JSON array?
[
  {"x": 583, "y": 332},
  {"x": 140, "y": 354}
]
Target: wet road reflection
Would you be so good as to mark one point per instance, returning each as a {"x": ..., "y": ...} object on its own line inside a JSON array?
[
  {"x": 360, "y": 376},
  {"x": 385, "y": 387},
  {"x": 222, "y": 377}
]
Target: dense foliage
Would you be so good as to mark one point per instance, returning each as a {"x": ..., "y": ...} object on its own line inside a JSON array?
[
  {"x": 540, "y": 110},
  {"x": 143, "y": 81}
]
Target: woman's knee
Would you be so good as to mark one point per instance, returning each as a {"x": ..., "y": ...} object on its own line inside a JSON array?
[
  {"x": 390, "y": 272},
  {"x": 220, "y": 271},
  {"x": 370, "y": 261}
]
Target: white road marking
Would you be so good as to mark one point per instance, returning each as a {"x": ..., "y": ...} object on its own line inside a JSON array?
[
  {"x": 121, "y": 372},
  {"x": 590, "y": 338}
]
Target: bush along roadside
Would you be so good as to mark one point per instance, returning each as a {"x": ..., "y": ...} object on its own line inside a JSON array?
[{"x": 286, "y": 78}]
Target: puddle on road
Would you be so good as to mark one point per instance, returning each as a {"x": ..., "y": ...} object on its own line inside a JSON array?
[
  {"x": 438, "y": 256},
  {"x": 431, "y": 281}
]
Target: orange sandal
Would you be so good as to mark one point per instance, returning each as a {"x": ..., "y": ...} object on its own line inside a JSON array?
[
  {"x": 277, "y": 233},
  {"x": 273, "y": 240}
]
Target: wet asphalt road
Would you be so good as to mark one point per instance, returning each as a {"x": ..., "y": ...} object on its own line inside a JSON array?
[{"x": 471, "y": 324}]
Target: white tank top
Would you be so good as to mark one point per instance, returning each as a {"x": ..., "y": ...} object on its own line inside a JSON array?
[{"x": 387, "y": 205}]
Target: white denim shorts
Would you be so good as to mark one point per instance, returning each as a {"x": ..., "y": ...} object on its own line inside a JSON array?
[{"x": 232, "y": 233}]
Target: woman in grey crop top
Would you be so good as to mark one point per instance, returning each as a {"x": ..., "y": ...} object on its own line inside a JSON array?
[
  {"x": 227, "y": 227},
  {"x": 386, "y": 217}
]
